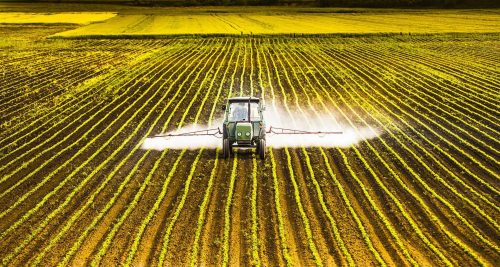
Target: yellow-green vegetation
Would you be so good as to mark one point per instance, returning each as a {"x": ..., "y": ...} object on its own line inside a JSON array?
[
  {"x": 291, "y": 23},
  {"x": 78, "y": 188},
  {"x": 56, "y": 18}
]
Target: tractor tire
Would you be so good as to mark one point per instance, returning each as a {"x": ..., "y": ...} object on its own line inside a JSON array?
[
  {"x": 261, "y": 149},
  {"x": 225, "y": 148},
  {"x": 231, "y": 150}
]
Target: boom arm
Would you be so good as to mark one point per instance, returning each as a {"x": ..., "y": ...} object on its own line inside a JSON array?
[
  {"x": 216, "y": 132},
  {"x": 277, "y": 130}
]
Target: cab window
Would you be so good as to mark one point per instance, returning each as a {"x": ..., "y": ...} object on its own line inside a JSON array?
[
  {"x": 238, "y": 111},
  {"x": 254, "y": 112}
]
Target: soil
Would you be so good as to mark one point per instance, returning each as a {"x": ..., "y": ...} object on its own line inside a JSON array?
[{"x": 352, "y": 76}]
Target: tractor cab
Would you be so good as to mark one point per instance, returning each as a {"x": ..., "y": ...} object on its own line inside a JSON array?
[{"x": 244, "y": 125}]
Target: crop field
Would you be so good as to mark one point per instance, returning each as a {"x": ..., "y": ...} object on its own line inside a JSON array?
[
  {"x": 275, "y": 22},
  {"x": 77, "y": 187},
  {"x": 57, "y": 18},
  {"x": 124, "y": 22}
]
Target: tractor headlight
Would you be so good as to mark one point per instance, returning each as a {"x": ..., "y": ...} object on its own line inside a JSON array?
[
  {"x": 239, "y": 134},
  {"x": 247, "y": 134}
]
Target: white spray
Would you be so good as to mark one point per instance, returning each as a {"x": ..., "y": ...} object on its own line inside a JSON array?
[
  {"x": 275, "y": 118},
  {"x": 314, "y": 123},
  {"x": 182, "y": 142}
]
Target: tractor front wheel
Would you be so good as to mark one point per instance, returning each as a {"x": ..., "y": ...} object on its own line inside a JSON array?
[
  {"x": 261, "y": 149},
  {"x": 225, "y": 148}
]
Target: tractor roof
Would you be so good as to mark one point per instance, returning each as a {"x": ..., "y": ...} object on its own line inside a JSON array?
[{"x": 244, "y": 99}]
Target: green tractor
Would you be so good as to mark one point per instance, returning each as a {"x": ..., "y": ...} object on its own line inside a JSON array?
[{"x": 244, "y": 125}]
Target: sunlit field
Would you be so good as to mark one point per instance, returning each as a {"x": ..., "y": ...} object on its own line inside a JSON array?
[
  {"x": 413, "y": 179},
  {"x": 295, "y": 23}
]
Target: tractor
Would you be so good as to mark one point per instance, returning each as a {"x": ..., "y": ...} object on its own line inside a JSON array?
[{"x": 244, "y": 127}]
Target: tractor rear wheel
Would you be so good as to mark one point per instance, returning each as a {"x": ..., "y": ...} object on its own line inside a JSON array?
[
  {"x": 225, "y": 148},
  {"x": 261, "y": 149}
]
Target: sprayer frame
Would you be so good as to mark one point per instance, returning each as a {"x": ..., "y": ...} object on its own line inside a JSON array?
[
  {"x": 257, "y": 138},
  {"x": 246, "y": 133}
]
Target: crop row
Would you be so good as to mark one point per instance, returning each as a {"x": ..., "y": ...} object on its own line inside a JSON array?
[
  {"x": 77, "y": 107},
  {"x": 130, "y": 208},
  {"x": 67, "y": 179},
  {"x": 296, "y": 101},
  {"x": 41, "y": 111},
  {"x": 425, "y": 184},
  {"x": 64, "y": 182},
  {"x": 465, "y": 199},
  {"x": 131, "y": 174},
  {"x": 45, "y": 73}
]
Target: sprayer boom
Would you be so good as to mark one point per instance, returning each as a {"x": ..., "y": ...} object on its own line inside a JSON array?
[
  {"x": 244, "y": 127},
  {"x": 216, "y": 132},
  {"x": 277, "y": 130}
]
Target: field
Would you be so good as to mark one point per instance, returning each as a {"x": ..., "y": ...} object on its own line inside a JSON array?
[
  {"x": 294, "y": 23},
  {"x": 54, "y": 18},
  {"x": 76, "y": 188}
]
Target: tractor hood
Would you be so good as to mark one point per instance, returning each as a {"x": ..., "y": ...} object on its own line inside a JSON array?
[{"x": 243, "y": 132}]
